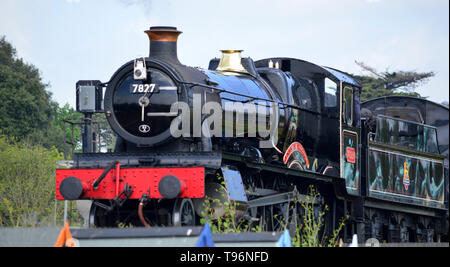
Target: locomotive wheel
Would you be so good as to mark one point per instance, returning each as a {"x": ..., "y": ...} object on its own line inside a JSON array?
[
  {"x": 183, "y": 212},
  {"x": 99, "y": 217}
]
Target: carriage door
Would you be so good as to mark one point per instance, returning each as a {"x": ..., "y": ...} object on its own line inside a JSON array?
[{"x": 349, "y": 141}]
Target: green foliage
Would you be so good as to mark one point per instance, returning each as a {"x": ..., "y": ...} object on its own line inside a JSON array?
[
  {"x": 26, "y": 105},
  {"x": 387, "y": 83},
  {"x": 66, "y": 112},
  {"x": 312, "y": 223},
  {"x": 108, "y": 137},
  {"x": 27, "y": 183},
  {"x": 28, "y": 113},
  {"x": 123, "y": 225},
  {"x": 308, "y": 226},
  {"x": 229, "y": 221},
  {"x": 374, "y": 88}
]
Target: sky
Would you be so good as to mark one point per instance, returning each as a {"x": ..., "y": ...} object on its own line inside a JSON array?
[{"x": 71, "y": 40}]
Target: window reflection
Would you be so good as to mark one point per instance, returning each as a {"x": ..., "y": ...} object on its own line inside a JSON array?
[
  {"x": 348, "y": 105},
  {"x": 406, "y": 134},
  {"x": 330, "y": 93},
  {"x": 304, "y": 94}
]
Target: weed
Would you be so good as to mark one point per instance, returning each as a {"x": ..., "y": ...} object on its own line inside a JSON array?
[{"x": 308, "y": 227}]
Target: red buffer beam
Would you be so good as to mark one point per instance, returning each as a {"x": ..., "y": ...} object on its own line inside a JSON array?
[{"x": 74, "y": 184}]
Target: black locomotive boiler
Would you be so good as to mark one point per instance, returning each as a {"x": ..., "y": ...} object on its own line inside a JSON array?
[{"x": 182, "y": 130}]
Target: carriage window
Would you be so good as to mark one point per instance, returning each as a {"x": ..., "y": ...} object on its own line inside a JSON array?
[
  {"x": 348, "y": 105},
  {"x": 330, "y": 93},
  {"x": 407, "y": 134},
  {"x": 430, "y": 140}
]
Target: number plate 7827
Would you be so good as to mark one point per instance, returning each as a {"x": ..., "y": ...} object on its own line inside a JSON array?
[{"x": 143, "y": 88}]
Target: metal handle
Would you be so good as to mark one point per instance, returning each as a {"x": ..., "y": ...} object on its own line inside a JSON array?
[{"x": 105, "y": 172}]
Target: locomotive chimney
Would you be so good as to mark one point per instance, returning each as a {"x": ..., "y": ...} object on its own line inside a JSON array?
[{"x": 163, "y": 43}]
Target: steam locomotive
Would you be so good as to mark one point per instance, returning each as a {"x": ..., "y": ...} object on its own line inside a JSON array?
[{"x": 258, "y": 134}]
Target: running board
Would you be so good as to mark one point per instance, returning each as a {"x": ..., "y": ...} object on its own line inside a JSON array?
[
  {"x": 338, "y": 183},
  {"x": 283, "y": 198}
]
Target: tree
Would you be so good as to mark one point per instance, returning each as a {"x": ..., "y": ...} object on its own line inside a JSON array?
[
  {"x": 107, "y": 136},
  {"x": 27, "y": 111},
  {"x": 26, "y": 105},
  {"x": 27, "y": 183},
  {"x": 68, "y": 113},
  {"x": 387, "y": 83}
]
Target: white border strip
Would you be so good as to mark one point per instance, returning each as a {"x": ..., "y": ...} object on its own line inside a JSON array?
[
  {"x": 407, "y": 156},
  {"x": 168, "y": 88},
  {"x": 162, "y": 114},
  {"x": 406, "y": 196}
]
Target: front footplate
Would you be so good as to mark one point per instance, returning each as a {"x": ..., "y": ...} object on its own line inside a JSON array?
[{"x": 209, "y": 160}]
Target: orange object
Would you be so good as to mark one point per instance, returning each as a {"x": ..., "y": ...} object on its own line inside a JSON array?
[{"x": 65, "y": 238}]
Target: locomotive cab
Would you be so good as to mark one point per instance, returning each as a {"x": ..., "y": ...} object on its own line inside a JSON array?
[{"x": 327, "y": 116}]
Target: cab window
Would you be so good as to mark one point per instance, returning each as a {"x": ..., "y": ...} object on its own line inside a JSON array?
[
  {"x": 305, "y": 94},
  {"x": 330, "y": 93},
  {"x": 348, "y": 105}
]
